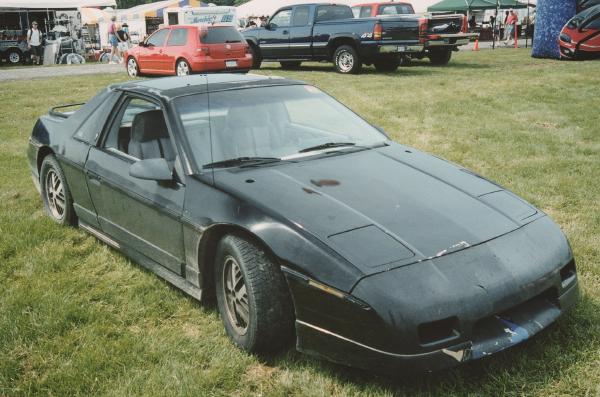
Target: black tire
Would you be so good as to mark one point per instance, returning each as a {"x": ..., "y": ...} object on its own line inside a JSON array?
[
  {"x": 14, "y": 56},
  {"x": 346, "y": 60},
  {"x": 270, "y": 313},
  {"x": 290, "y": 65},
  {"x": 387, "y": 65},
  {"x": 50, "y": 176},
  {"x": 182, "y": 68},
  {"x": 440, "y": 57},
  {"x": 256, "y": 57}
]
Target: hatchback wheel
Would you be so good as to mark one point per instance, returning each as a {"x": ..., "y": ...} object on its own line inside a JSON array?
[
  {"x": 55, "y": 192},
  {"x": 132, "y": 67},
  {"x": 252, "y": 296},
  {"x": 183, "y": 68}
]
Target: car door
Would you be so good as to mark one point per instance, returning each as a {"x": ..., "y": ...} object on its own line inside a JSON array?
[
  {"x": 591, "y": 42},
  {"x": 139, "y": 214},
  {"x": 151, "y": 58},
  {"x": 300, "y": 33},
  {"x": 274, "y": 39},
  {"x": 175, "y": 48}
]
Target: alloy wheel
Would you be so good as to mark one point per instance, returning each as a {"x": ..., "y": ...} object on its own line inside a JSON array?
[
  {"x": 14, "y": 57},
  {"x": 183, "y": 68},
  {"x": 236, "y": 296},
  {"x": 132, "y": 69},
  {"x": 55, "y": 194}
]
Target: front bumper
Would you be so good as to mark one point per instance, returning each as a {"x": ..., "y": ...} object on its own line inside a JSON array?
[{"x": 497, "y": 334}]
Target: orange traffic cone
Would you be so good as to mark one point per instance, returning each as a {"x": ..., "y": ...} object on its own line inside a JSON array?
[{"x": 476, "y": 46}]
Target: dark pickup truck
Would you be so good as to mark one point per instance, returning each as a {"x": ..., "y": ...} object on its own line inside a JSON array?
[{"x": 329, "y": 32}]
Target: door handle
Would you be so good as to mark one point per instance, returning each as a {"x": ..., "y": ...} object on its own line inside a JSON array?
[{"x": 286, "y": 32}]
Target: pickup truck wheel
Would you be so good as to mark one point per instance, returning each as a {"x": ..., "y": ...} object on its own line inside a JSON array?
[
  {"x": 14, "y": 57},
  {"x": 387, "y": 65},
  {"x": 290, "y": 65},
  {"x": 346, "y": 60},
  {"x": 256, "y": 57},
  {"x": 440, "y": 57}
]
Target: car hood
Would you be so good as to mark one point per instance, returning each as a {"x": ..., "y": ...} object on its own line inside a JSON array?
[{"x": 382, "y": 208}]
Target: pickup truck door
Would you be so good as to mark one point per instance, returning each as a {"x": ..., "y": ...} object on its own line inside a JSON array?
[
  {"x": 300, "y": 33},
  {"x": 274, "y": 41}
]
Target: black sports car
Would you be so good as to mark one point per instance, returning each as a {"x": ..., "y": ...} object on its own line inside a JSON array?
[{"x": 304, "y": 221}]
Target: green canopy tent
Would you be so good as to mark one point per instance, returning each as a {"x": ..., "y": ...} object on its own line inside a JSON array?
[{"x": 462, "y": 5}]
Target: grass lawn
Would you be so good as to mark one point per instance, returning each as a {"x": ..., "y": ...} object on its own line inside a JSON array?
[{"x": 78, "y": 318}]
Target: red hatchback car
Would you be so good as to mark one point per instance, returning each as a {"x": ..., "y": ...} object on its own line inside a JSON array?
[
  {"x": 580, "y": 38},
  {"x": 182, "y": 50}
]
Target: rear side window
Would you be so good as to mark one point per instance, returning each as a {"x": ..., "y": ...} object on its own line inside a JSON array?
[
  {"x": 365, "y": 12},
  {"x": 333, "y": 12},
  {"x": 91, "y": 128},
  {"x": 178, "y": 37},
  {"x": 395, "y": 9},
  {"x": 158, "y": 38},
  {"x": 227, "y": 34},
  {"x": 300, "y": 17}
]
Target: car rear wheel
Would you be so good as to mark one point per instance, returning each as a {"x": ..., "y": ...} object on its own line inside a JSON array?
[
  {"x": 133, "y": 69},
  {"x": 252, "y": 296},
  {"x": 14, "y": 57},
  {"x": 346, "y": 60},
  {"x": 290, "y": 65},
  {"x": 55, "y": 192},
  {"x": 183, "y": 68},
  {"x": 387, "y": 65},
  {"x": 440, "y": 57},
  {"x": 256, "y": 57}
]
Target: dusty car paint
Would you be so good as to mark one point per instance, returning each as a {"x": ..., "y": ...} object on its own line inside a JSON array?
[{"x": 395, "y": 259}]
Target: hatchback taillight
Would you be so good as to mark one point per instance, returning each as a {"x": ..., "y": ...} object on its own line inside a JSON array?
[
  {"x": 423, "y": 30},
  {"x": 377, "y": 31}
]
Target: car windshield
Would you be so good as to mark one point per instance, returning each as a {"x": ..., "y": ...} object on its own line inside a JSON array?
[
  {"x": 578, "y": 19},
  {"x": 270, "y": 123}
]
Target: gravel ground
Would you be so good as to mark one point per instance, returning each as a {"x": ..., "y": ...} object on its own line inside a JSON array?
[{"x": 16, "y": 73}]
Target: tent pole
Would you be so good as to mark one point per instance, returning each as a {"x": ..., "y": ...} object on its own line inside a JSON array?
[
  {"x": 496, "y": 24},
  {"x": 527, "y": 26}
]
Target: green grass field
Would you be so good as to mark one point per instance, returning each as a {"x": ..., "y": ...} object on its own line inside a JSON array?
[{"x": 78, "y": 318}]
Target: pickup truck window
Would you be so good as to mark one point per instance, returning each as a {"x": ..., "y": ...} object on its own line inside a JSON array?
[
  {"x": 282, "y": 19},
  {"x": 301, "y": 15},
  {"x": 333, "y": 12},
  {"x": 395, "y": 9}
]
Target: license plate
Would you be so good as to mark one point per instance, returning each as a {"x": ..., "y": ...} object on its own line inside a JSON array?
[
  {"x": 231, "y": 64},
  {"x": 401, "y": 48}
]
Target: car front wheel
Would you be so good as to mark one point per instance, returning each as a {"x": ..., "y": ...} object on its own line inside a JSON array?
[
  {"x": 14, "y": 57},
  {"x": 183, "y": 68},
  {"x": 55, "y": 192},
  {"x": 346, "y": 60},
  {"x": 133, "y": 69},
  {"x": 252, "y": 296}
]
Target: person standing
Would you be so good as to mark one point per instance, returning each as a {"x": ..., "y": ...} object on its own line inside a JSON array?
[
  {"x": 112, "y": 39},
  {"x": 511, "y": 24},
  {"x": 123, "y": 38},
  {"x": 34, "y": 43}
]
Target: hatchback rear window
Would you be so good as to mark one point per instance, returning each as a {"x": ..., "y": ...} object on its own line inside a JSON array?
[{"x": 221, "y": 35}]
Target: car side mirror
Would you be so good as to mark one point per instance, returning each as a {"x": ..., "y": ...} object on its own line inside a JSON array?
[
  {"x": 270, "y": 26},
  {"x": 152, "y": 170}
]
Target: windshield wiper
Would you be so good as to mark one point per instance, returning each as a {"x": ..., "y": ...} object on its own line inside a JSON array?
[
  {"x": 327, "y": 146},
  {"x": 242, "y": 161}
]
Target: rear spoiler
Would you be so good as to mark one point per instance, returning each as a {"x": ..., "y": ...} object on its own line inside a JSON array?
[{"x": 54, "y": 112}]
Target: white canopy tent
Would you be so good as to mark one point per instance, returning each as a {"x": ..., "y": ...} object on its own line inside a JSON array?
[{"x": 55, "y": 4}]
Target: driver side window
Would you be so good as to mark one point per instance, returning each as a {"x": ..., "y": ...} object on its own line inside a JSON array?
[
  {"x": 282, "y": 19},
  {"x": 158, "y": 38},
  {"x": 139, "y": 131}
]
